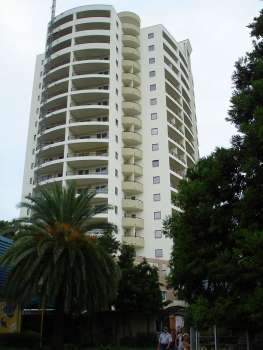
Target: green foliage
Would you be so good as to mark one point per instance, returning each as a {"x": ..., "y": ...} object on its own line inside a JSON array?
[
  {"x": 139, "y": 289},
  {"x": 55, "y": 259},
  {"x": 8, "y": 228},
  {"x": 217, "y": 260}
]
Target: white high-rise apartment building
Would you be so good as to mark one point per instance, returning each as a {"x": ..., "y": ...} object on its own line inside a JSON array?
[{"x": 113, "y": 109}]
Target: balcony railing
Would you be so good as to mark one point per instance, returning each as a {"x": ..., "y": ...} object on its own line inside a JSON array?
[
  {"x": 93, "y": 136},
  {"x": 48, "y": 177},
  {"x": 88, "y": 172},
  {"x": 102, "y": 190},
  {"x": 88, "y": 154},
  {"x": 43, "y": 144},
  {"x": 99, "y": 119},
  {"x": 43, "y": 161}
]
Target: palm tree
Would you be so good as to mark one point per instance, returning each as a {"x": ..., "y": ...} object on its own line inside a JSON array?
[{"x": 56, "y": 257}]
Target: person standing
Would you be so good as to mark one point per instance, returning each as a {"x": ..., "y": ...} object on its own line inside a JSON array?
[{"x": 165, "y": 339}]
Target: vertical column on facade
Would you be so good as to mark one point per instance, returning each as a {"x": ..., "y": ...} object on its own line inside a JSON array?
[{"x": 131, "y": 121}]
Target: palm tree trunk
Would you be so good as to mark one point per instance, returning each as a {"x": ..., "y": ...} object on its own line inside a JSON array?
[{"x": 58, "y": 327}]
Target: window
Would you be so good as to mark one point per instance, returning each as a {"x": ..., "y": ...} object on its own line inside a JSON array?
[
  {"x": 153, "y": 101},
  {"x": 151, "y": 60},
  {"x": 35, "y": 137},
  {"x": 155, "y": 146},
  {"x": 155, "y": 163},
  {"x": 158, "y": 253},
  {"x": 150, "y": 35},
  {"x": 42, "y": 62},
  {"x": 156, "y": 179},
  {"x": 30, "y": 181},
  {"x": 116, "y": 209},
  {"x": 39, "y": 85},
  {"x": 154, "y": 131},
  {"x": 116, "y": 122},
  {"x": 151, "y": 48},
  {"x": 38, "y": 97},
  {"x": 117, "y": 36},
  {"x": 116, "y": 106},
  {"x": 116, "y": 138},
  {"x": 116, "y": 172},
  {"x": 117, "y": 50},
  {"x": 117, "y": 63},
  {"x": 116, "y": 155},
  {"x": 157, "y": 215},
  {"x": 117, "y": 92},
  {"x": 117, "y": 77},
  {"x": 116, "y": 191},
  {"x": 152, "y": 73},
  {"x": 152, "y": 87},
  {"x": 153, "y": 116},
  {"x": 156, "y": 197},
  {"x": 117, "y": 24},
  {"x": 158, "y": 233}
]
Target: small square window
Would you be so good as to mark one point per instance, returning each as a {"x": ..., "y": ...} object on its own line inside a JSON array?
[
  {"x": 116, "y": 138},
  {"x": 116, "y": 122},
  {"x": 158, "y": 233},
  {"x": 154, "y": 131},
  {"x": 156, "y": 179},
  {"x": 116, "y": 172},
  {"x": 153, "y": 101},
  {"x": 156, "y": 197},
  {"x": 117, "y": 24},
  {"x": 117, "y": 50},
  {"x": 150, "y": 35},
  {"x": 117, "y": 77},
  {"x": 157, "y": 215},
  {"x": 35, "y": 137},
  {"x": 117, "y": 36},
  {"x": 155, "y": 146},
  {"x": 153, "y": 116},
  {"x": 116, "y": 209},
  {"x": 151, "y": 48},
  {"x": 151, "y": 60},
  {"x": 152, "y": 73},
  {"x": 116, "y": 106},
  {"x": 158, "y": 253},
  {"x": 117, "y": 92},
  {"x": 152, "y": 87},
  {"x": 116, "y": 191},
  {"x": 116, "y": 155},
  {"x": 155, "y": 163}
]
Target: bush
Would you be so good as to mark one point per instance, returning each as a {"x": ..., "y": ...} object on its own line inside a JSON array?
[{"x": 22, "y": 340}]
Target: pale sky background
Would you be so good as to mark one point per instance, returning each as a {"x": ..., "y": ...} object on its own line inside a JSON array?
[{"x": 218, "y": 34}]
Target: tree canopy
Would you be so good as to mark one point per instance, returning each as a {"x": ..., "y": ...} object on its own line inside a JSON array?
[{"x": 217, "y": 260}]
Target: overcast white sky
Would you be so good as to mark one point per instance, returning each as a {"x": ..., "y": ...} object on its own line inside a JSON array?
[{"x": 218, "y": 34}]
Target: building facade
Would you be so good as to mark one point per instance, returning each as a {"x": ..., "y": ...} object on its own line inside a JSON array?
[{"x": 113, "y": 109}]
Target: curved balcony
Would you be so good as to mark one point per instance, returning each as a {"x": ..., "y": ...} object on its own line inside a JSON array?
[
  {"x": 131, "y": 153},
  {"x": 131, "y": 121},
  {"x": 50, "y": 144},
  {"x": 46, "y": 179},
  {"x": 129, "y": 53},
  {"x": 132, "y": 187},
  {"x": 136, "y": 241},
  {"x": 130, "y": 66},
  {"x": 131, "y": 138},
  {"x": 129, "y": 222},
  {"x": 130, "y": 29},
  {"x": 131, "y": 94},
  {"x": 130, "y": 78},
  {"x": 131, "y": 108},
  {"x": 130, "y": 41},
  {"x": 132, "y": 204},
  {"x": 129, "y": 17},
  {"x": 53, "y": 167},
  {"x": 129, "y": 169},
  {"x": 46, "y": 162},
  {"x": 57, "y": 74}
]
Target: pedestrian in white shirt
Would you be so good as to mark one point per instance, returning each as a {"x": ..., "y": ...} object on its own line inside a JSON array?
[{"x": 165, "y": 339}]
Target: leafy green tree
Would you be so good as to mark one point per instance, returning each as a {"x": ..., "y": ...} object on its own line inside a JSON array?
[
  {"x": 217, "y": 260},
  {"x": 57, "y": 257},
  {"x": 139, "y": 288},
  {"x": 8, "y": 228}
]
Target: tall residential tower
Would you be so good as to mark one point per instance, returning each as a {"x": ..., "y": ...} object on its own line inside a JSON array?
[{"x": 113, "y": 109}]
